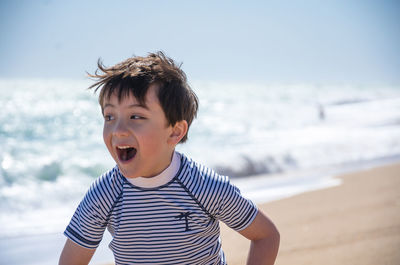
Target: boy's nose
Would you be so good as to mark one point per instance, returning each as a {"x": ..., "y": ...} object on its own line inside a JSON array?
[{"x": 120, "y": 129}]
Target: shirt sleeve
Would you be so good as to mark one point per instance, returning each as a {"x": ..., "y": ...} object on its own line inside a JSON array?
[
  {"x": 234, "y": 210},
  {"x": 89, "y": 221}
]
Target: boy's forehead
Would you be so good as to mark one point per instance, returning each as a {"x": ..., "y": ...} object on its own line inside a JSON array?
[
  {"x": 116, "y": 97},
  {"x": 114, "y": 100}
]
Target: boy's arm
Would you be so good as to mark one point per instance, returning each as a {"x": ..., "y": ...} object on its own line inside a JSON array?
[
  {"x": 264, "y": 241},
  {"x": 74, "y": 254}
]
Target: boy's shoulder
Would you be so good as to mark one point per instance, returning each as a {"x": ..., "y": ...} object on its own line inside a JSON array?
[
  {"x": 216, "y": 195},
  {"x": 195, "y": 171},
  {"x": 110, "y": 182}
]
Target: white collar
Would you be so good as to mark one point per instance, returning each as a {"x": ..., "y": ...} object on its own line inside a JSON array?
[{"x": 163, "y": 178}]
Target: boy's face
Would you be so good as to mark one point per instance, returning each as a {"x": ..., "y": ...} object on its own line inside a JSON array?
[{"x": 137, "y": 136}]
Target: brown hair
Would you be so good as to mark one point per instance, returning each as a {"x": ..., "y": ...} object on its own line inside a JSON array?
[{"x": 136, "y": 74}]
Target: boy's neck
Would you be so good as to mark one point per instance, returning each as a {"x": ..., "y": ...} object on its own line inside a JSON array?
[{"x": 161, "y": 179}]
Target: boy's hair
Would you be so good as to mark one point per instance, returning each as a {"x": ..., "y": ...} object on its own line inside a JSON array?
[{"x": 136, "y": 74}]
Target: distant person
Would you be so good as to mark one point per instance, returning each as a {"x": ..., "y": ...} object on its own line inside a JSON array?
[
  {"x": 321, "y": 112},
  {"x": 160, "y": 206}
]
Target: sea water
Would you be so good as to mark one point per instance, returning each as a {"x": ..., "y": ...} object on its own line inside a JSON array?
[{"x": 51, "y": 145}]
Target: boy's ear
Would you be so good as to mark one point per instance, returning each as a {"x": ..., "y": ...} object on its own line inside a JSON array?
[{"x": 179, "y": 130}]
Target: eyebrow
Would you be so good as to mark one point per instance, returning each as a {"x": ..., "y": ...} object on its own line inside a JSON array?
[{"x": 130, "y": 106}]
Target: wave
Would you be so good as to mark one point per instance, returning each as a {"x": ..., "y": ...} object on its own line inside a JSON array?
[
  {"x": 255, "y": 166},
  {"x": 349, "y": 101}
]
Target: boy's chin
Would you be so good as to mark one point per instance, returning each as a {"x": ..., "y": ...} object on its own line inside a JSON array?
[{"x": 127, "y": 173}]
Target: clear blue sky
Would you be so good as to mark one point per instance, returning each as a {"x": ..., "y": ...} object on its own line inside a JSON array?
[{"x": 278, "y": 41}]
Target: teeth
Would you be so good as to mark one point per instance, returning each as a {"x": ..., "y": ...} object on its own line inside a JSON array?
[
  {"x": 125, "y": 152},
  {"x": 124, "y": 147}
]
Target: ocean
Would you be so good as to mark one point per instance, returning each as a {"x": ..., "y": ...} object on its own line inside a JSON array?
[{"x": 289, "y": 138}]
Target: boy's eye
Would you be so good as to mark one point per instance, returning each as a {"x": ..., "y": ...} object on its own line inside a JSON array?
[
  {"x": 136, "y": 117},
  {"x": 108, "y": 117}
]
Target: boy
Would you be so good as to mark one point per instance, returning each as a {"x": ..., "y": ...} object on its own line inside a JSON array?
[{"x": 159, "y": 206}]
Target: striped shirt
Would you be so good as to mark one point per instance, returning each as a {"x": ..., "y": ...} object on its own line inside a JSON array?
[{"x": 176, "y": 223}]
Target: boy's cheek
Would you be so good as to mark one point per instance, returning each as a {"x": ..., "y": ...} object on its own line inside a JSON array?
[
  {"x": 109, "y": 148},
  {"x": 107, "y": 141},
  {"x": 106, "y": 134}
]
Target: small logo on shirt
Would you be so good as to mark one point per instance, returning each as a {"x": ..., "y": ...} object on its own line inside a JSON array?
[{"x": 186, "y": 216}]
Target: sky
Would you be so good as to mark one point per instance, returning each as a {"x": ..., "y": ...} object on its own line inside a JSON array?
[{"x": 269, "y": 41}]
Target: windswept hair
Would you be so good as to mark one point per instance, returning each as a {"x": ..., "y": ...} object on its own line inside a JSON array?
[{"x": 134, "y": 76}]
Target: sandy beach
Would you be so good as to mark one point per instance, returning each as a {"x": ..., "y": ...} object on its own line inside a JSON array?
[{"x": 357, "y": 222}]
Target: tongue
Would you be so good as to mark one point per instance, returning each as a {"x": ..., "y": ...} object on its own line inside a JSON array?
[{"x": 128, "y": 154}]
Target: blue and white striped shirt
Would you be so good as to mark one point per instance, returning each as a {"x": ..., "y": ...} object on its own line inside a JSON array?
[{"x": 176, "y": 223}]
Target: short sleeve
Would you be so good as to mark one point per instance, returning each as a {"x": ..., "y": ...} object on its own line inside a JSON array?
[
  {"x": 88, "y": 223},
  {"x": 235, "y": 210}
]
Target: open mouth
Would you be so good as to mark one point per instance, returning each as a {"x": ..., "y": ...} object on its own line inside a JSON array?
[{"x": 125, "y": 153}]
